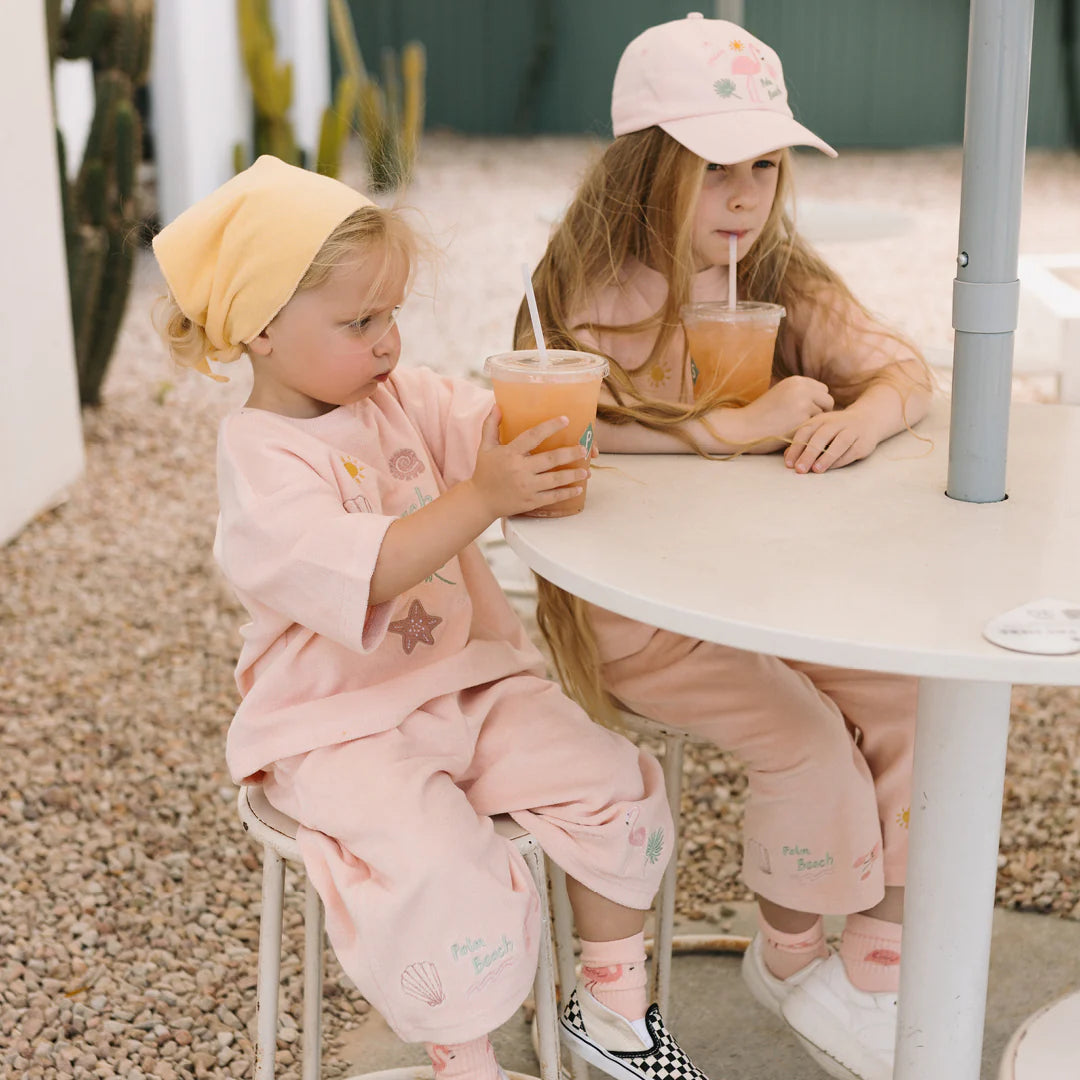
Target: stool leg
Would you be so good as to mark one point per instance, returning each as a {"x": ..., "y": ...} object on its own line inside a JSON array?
[
  {"x": 564, "y": 951},
  {"x": 273, "y": 892},
  {"x": 313, "y": 982},
  {"x": 544, "y": 988},
  {"x": 665, "y": 903}
]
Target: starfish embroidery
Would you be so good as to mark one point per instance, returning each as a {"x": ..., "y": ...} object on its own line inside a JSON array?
[{"x": 416, "y": 626}]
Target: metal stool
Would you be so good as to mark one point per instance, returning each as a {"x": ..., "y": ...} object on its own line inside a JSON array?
[{"x": 276, "y": 833}]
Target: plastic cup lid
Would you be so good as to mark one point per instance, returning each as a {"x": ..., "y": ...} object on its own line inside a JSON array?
[
  {"x": 564, "y": 365},
  {"x": 745, "y": 311}
]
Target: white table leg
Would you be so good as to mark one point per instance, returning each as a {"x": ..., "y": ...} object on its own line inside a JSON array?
[{"x": 956, "y": 795}]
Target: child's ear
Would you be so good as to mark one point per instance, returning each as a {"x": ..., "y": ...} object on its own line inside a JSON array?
[{"x": 260, "y": 344}]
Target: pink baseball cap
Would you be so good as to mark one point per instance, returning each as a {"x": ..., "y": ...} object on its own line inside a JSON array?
[{"x": 711, "y": 86}]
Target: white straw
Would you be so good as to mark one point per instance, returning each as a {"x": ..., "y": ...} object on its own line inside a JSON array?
[
  {"x": 530, "y": 297},
  {"x": 732, "y": 261}
]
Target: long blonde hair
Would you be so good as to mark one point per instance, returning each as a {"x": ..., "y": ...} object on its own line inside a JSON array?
[
  {"x": 638, "y": 202},
  {"x": 368, "y": 234}
]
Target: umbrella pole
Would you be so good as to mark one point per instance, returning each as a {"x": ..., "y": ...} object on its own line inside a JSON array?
[{"x": 986, "y": 291}]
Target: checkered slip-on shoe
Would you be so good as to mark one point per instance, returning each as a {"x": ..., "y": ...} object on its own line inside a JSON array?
[{"x": 616, "y": 1047}]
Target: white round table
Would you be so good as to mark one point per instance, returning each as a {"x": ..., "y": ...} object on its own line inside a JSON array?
[{"x": 872, "y": 567}]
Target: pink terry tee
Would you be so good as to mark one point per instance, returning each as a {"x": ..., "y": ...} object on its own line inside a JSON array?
[{"x": 305, "y": 505}]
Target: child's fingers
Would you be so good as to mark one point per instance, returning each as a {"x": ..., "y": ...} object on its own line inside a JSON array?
[
  {"x": 489, "y": 434},
  {"x": 531, "y": 439},
  {"x": 560, "y": 477},
  {"x": 817, "y": 444},
  {"x": 799, "y": 441},
  {"x": 552, "y": 459},
  {"x": 546, "y": 498}
]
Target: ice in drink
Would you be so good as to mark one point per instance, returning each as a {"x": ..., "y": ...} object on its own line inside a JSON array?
[
  {"x": 731, "y": 350},
  {"x": 528, "y": 393}
]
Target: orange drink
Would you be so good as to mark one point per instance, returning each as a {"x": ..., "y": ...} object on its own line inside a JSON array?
[
  {"x": 528, "y": 393},
  {"x": 731, "y": 350}
]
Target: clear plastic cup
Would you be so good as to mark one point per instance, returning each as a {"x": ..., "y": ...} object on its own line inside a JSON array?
[
  {"x": 529, "y": 393},
  {"x": 731, "y": 351}
]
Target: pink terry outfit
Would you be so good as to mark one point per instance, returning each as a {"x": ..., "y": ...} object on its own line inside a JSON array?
[
  {"x": 828, "y": 751},
  {"x": 393, "y": 732}
]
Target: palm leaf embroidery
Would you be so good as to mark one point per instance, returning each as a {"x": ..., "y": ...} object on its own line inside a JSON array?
[{"x": 655, "y": 845}]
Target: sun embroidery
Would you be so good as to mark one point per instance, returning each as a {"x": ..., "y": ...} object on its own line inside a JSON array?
[
  {"x": 416, "y": 626},
  {"x": 354, "y": 470},
  {"x": 736, "y": 45},
  {"x": 903, "y": 817},
  {"x": 658, "y": 374}
]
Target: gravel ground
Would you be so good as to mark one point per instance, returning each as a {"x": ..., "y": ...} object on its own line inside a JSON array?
[{"x": 128, "y": 911}]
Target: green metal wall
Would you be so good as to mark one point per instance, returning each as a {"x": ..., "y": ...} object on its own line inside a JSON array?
[{"x": 873, "y": 73}]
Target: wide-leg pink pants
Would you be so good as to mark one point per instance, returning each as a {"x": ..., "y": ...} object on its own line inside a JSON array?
[
  {"x": 828, "y": 754},
  {"x": 431, "y": 914}
]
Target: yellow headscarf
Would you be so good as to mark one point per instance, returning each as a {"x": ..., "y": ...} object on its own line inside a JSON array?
[{"x": 233, "y": 260}]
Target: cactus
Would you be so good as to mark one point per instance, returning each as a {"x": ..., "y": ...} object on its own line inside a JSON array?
[
  {"x": 391, "y": 116},
  {"x": 271, "y": 85},
  {"x": 101, "y": 222}
]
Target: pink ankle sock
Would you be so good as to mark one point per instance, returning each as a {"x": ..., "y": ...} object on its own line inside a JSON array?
[
  {"x": 870, "y": 950},
  {"x": 614, "y": 973},
  {"x": 473, "y": 1060},
  {"x": 785, "y": 954}
]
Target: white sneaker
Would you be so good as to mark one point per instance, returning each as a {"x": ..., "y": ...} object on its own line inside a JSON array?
[
  {"x": 766, "y": 988},
  {"x": 850, "y": 1033}
]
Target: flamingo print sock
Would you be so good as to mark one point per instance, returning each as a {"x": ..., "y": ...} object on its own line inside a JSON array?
[
  {"x": 473, "y": 1060},
  {"x": 614, "y": 973},
  {"x": 785, "y": 954},
  {"x": 870, "y": 950}
]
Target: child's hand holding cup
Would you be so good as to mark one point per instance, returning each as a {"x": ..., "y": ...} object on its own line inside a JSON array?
[{"x": 529, "y": 391}]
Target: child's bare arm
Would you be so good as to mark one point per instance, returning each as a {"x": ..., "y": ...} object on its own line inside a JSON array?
[
  {"x": 886, "y": 406},
  {"x": 507, "y": 480},
  {"x": 757, "y": 428}
]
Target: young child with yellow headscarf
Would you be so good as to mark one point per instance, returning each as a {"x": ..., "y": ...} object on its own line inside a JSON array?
[{"x": 391, "y": 700}]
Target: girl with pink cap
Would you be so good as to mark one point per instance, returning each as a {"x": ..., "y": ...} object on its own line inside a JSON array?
[
  {"x": 392, "y": 702},
  {"x": 701, "y": 161}
]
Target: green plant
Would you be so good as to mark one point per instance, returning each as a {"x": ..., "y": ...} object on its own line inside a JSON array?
[
  {"x": 101, "y": 223},
  {"x": 391, "y": 116}
]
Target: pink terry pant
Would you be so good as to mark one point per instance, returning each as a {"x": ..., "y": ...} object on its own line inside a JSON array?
[
  {"x": 431, "y": 914},
  {"x": 828, "y": 755}
]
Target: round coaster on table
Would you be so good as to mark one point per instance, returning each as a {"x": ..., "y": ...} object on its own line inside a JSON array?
[{"x": 1049, "y": 627}]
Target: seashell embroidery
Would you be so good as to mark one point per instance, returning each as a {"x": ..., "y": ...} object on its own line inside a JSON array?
[{"x": 422, "y": 981}]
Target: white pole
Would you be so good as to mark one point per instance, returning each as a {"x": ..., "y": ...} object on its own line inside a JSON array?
[
  {"x": 986, "y": 290},
  {"x": 302, "y": 28},
  {"x": 198, "y": 118},
  {"x": 732, "y": 10},
  {"x": 956, "y": 790}
]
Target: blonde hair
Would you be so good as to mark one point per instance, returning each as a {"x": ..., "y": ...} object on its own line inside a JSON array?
[
  {"x": 638, "y": 202},
  {"x": 370, "y": 233}
]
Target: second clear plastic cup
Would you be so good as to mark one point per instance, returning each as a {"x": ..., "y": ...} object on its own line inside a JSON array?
[
  {"x": 731, "y": 350},
  {"x": 528, "y": 393}
]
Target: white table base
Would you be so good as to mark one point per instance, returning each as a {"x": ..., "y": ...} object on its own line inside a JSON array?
[{"x": 956, "y": 793}]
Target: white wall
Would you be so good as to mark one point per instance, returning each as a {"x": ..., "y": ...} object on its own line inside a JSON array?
[{"x": 41, "y": 449}]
